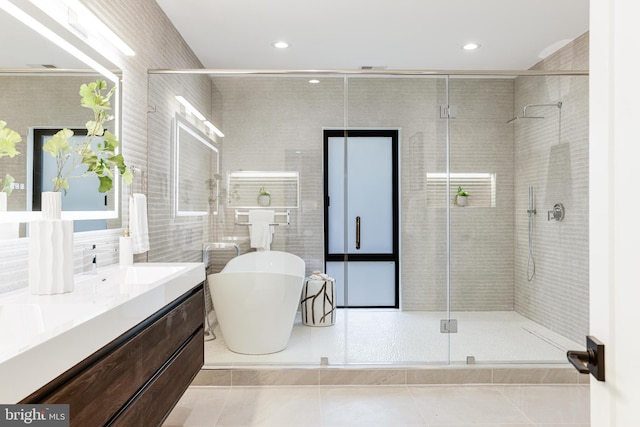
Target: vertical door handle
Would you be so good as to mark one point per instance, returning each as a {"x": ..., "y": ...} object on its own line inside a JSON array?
[{"x": 357, "y": 232}]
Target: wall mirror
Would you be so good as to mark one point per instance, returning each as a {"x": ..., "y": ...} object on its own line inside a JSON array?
[
  {"x": 39, "y": 84},
  {"x": 195, "y": 152}
]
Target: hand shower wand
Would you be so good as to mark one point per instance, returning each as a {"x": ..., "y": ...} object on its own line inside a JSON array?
[{"x": 531, "y": 263}]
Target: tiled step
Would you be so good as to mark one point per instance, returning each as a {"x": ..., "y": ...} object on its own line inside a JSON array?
[{"x": 559, "y": 374}]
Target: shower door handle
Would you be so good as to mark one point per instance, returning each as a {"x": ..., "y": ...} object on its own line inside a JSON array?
[{"x": 357, "y": 232}]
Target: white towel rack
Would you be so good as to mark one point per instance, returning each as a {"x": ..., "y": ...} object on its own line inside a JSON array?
[{"x": 245, "y": 214}]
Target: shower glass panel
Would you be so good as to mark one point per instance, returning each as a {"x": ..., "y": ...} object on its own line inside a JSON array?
[
  {"x": 408, "y": 331},
  {"x": 502, "y": 316},
  {"x": 445, "y": 281}
]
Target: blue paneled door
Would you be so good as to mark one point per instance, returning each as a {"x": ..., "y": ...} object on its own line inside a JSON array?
[{"x": 361, "y": 216}]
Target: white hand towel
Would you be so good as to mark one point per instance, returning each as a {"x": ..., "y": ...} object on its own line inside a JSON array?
[
  {"x": 138, "y": 225},
  {"x": 260, "y": 228}
]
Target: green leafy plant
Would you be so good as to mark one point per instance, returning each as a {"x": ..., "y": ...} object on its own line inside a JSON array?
[
  {"x": 101, "y": 161},
  {"x": 461, "y": 192},
  {"x": 264, "y": 192},
  {"x": 8, "y": 140}
]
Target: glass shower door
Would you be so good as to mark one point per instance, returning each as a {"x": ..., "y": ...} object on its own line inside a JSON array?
[
  {"x": 507, "y": 312},
  {"x": 410, "y": 331}
]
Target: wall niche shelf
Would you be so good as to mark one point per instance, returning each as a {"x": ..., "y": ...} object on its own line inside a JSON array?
[
  {"x": 244, "y": 189},
  {"x": 481, "y": 188}
]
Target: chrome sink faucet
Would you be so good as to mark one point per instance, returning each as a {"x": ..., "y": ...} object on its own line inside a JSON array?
[{"x": 93, "y": 252}]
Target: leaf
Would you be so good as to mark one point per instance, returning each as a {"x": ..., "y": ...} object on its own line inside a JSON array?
[
  {"x": 110, "y": 142},
  {"x": 118, "y": 161},
  {"x": 106, "y": 183},
  {"x": 8, "y": 140},
  {"x": 58, "y": 143},
  {"x": 94, "y": 128},
  {"x": 91, "y": 160},
  {"x": 127, "y": 176},
  {"x": 92, "y": 97},
  {"x": 8, "y": 180}
]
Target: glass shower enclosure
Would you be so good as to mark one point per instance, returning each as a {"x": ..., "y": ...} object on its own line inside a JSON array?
[{"x": 414, "y": 197}]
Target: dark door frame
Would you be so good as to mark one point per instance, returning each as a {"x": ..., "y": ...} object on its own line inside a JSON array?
[{"x": 395, "y": 256}]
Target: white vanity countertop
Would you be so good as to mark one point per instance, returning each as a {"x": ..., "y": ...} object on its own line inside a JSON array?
[{"x": 42, "y": 336}]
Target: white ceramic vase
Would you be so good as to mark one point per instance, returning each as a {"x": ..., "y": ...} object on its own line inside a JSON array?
[{"x": 51, "y": 249}]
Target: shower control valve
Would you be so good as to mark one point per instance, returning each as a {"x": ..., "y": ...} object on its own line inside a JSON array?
[{"x": 557, "y": 213}]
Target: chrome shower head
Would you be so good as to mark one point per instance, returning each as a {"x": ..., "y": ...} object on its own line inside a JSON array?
[{"x": 524, "y": 111}]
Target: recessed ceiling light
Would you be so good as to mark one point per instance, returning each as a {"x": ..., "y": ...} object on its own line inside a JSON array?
[
  {"x": 471, "y": 46},
  {"x": 314, "y": 81},
  {"x": 280, "y": 45}
]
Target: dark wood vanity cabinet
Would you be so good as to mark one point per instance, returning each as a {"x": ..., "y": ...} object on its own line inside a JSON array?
[{"x": 138, "y": 378}]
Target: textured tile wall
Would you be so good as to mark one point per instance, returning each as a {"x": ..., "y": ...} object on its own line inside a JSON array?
[
  {"x": 552, "y": 155},
  {"x": 276, "y": 124},
  {"x": 482, "y": 237}
]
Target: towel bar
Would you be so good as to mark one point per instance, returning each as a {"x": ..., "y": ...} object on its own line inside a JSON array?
[{"x": 285, "y": 214}]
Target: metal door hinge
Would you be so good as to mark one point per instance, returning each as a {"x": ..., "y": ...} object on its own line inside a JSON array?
[
  {"x": 449, "y": 326},
  {"x": 448, "y": 111}
]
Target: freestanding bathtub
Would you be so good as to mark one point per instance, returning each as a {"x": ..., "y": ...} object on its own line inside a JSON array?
[{"x": 255, "y": 297}]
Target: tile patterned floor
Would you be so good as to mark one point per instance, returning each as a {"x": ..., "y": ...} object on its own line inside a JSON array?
[
  {"x": 405, "y": 337},
  {"x": 384, "y": 406}
]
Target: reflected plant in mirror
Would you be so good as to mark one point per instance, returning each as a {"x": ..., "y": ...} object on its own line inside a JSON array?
[
  {"x": 8, "y": 140},
  {"x": 101, "y": 160}
]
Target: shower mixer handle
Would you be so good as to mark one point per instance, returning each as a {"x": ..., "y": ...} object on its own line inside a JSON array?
[{"x": 556, "y": 213}]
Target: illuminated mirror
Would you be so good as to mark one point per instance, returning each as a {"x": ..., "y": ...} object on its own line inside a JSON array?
[
  {"x": 39, "y": 83},
  {"x": 195, "y": 153}
]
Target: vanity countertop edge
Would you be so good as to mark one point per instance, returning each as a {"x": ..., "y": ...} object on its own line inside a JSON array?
[{"x": 109, "y": 308}]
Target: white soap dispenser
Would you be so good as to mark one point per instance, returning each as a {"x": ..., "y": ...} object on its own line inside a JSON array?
[{"x": 126, "y": 249}]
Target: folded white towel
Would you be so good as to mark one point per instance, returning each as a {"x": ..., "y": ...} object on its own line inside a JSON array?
[
  {"x": 260, "y": 228},
  {"x": 138, "y": 224}
]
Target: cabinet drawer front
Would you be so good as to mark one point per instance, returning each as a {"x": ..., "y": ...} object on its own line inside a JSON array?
[
  {"x": 101, "y": 389},
  {"x": 150, "y": 407}
]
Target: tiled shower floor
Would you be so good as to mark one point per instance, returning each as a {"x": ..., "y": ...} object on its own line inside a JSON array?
[{"x": 407, "y": 337}]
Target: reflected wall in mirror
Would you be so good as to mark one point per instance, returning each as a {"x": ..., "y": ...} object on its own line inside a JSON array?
[
  {"x": 195, "y": 152},
  {"x": 39, "y": 85}
]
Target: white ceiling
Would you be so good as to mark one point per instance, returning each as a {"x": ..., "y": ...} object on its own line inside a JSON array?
[{"x": 396, "y": 34}]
